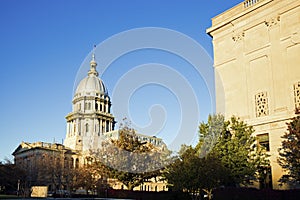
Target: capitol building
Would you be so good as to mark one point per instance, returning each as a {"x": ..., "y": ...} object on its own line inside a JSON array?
[{"x": 88, "y": 125}]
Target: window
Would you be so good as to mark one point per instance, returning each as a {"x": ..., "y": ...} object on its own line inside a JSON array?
[
  {"x": 77, "y": 163},
  {"x": 297, "y": 94},
  {"x": 261, "y": 104},
  {"x": 87, "y": 106},
  {"x": 263, "y": 141},
  {"x": 107, "y": 126},
  {"x": 86, "y": 127}
]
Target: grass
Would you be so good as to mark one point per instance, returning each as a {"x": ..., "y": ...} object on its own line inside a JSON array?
[{"x": 4, "y": 196}]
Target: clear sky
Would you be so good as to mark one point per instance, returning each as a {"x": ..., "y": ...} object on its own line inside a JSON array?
[{"x": 44, "y": 42}]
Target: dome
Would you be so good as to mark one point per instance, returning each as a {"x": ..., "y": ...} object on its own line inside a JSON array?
[{"x": 91, "y": 84}]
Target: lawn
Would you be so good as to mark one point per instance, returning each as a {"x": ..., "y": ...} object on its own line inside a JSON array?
[{"x": 4, "y": 196}]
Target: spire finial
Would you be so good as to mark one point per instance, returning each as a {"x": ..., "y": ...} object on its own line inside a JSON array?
[
  {"x": 93, "y": 64},
  {"x": 93, "y": 55}
]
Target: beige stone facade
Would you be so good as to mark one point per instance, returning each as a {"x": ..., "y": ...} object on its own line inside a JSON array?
[
  {"x": 88, "y": 125},
  {"x": 256, "y": 60},
  {"x": 47, "y": 164}
]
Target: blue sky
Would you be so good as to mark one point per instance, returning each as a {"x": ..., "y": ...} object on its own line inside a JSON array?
[{"x": 44, "y": 43}]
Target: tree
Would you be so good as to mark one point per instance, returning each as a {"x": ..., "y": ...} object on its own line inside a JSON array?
[
  {"x": 91, "y": 177},
  {"x": 232, "y": 141},
  {"x": 289, "y": 152},
  {"x": 131, "y": 161},
  {"x": 226, "y": 155},
  {"x": 209, "y": 133},
  {"x": 12, "y": 178},
  {"x": 238, "y": 153},
  {"x": 193, "y": 174}
]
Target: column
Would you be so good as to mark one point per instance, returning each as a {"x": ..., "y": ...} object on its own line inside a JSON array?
[
  {"x": 104, "y": 126},
  {"x": 68, "y": 129},
  {"x": 100, "y": 126}
]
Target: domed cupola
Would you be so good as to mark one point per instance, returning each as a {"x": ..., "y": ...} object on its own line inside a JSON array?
[
  {"x": 91, "y": 116},
  {"x": 91, "y": 85}
]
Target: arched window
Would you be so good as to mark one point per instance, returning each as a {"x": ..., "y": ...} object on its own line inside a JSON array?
[
  {"x": 101, "y": 109},
  {"x": 86, "y": 127},
  {"x": 96, "y": 106},
  {"x": 77, "y": 163}
]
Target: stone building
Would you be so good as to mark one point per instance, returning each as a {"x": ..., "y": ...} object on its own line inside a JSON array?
[
  {"x": 256, "y": 60},
  {"x": 46, "y": 163},
  {"x": 88, "y": 125},
  {"x": 91, "y": 116}
]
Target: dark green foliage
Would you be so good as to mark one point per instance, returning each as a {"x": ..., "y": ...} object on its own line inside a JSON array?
[
  {"x": 192, "y": 174},
  {"x": 226, "y": 155},
  {"x": 290, "y": 152},
  {"x": 236, "y": 149}
]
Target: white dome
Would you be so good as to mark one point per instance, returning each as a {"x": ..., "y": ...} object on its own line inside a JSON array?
[{"x": 91, "y": 84}]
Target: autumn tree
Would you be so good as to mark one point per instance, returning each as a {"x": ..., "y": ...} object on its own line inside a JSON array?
[
  {"x": 289, "y": 152},
  {"x": 132, "y": 161},
  {"x": 91, "y": 177}
]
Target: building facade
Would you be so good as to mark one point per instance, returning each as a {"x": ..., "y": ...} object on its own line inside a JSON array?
[
  {"x": 47, "y": 164},
  {"x": 88, "y": 125},
  {"x": 90, "y": 117},
  {"x": 256, "y": 60}
]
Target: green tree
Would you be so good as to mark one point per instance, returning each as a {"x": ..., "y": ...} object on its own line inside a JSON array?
[
  {"x": 182, "y": 174},
  {"x": 193, "y": 174},
  {"x": 289, "y": 152},
  {"x": 236, "y": 149},
  {"x": 209, "y": 134}
]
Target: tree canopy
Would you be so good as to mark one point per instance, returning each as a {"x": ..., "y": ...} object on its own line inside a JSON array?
[
  {"x": 132, "y": 161},
  {"x": 226, "y": 155},
  {"x": 289, "y": 152}
]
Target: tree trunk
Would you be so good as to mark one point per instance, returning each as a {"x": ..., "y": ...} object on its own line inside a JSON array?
[
  {"x": 130, "y": 187},
  {"x": 209, "y": 193}
]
